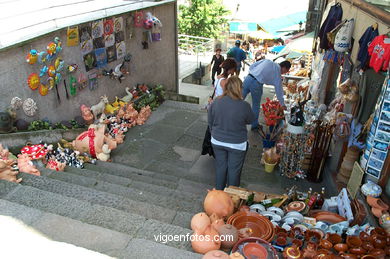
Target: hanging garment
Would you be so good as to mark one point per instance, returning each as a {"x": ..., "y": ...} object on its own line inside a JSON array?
[
  {"x": 364, "y": 42},
  {"x": 380, "y": 53},
  {"x": 342, "y": 41},
  {"x": 334, "y": 17}
]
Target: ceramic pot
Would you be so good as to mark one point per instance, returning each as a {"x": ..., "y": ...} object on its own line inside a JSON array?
[
  {"x": 218, "y": 223},
  {"x": 367, "y": 246},
  {"x": 282, "y": 234},
  {"x": 354, "y": 241},
  {"x": 377, "y": 203},
  {"x": 254, "y": 250},
  {"x": 357, "y": 251},
  {"x": 326, "y": 244},
  {"x": 378, "y": 253},
  {"x": 200, "y": 222},
  {"x": 378, "y": 231},
  {"x": 292, "y": 252},
  {"x": 218, "y": 202},
  {"x": 204, "y": 245},
  {"x": 334, "y": 238},
  {"x": 216, "y": 254},
  {"x": 340, "y": 247},
  {"x": 295, "y": 231},
  {"x": 312, "y": 236},
  {"x": 323, "y": 252},
  {"x": 230, "y": 234}
]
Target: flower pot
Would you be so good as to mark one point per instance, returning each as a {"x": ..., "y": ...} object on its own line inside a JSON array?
[{"x": 269, "y": 168}]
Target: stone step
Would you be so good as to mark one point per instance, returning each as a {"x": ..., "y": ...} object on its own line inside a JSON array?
[
  {"x": 146, "y": 202},
  {"x": 175, "y": 202},
  {"x": 130, "y": 223},
  {"x": 72, "y": 231},
  {"x": 143, "y": 184}
]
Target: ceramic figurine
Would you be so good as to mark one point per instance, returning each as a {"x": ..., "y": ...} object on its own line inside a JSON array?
[
  {"x": 127, "y": 98},
  {"x": 119, "y": 137},
  {"x": 86, "y": 114},
  {"x": 7, "y": 172},
  {"x": 99, "y": 107},
  {"x": 26, "y": 166},
  {"x": 55, "y": 165},
  {"x": 105, "y": 154}
]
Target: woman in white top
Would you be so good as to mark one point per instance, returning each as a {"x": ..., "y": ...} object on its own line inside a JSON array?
[{"x": 229, "y": 67}]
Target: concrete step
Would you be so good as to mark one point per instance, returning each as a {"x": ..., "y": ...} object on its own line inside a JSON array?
[
  {"x": 175, "y": 202},
  {"x": 141, "y": 184},
  {"x": 130, "y": 223},
  {"x": 146, "y": 203},
  {"x": 71, "y": 231}
]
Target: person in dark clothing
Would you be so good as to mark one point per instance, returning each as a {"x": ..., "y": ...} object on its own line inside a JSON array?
[{"x": 216, "y": 64}]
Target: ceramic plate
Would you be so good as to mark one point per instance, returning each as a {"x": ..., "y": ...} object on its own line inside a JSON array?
[{"x": 271, "y": 216}]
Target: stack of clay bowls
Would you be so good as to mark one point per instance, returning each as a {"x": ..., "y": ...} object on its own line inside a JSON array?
[{"x": 345, "y": 171}]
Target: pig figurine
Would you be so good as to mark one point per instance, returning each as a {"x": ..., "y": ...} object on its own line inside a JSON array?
[
  {"x": 7, "y": 172},
  {"x": 26, "y": 166}
]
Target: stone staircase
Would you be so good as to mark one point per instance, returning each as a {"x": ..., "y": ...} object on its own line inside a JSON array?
[{"x": 125, "y": 206}]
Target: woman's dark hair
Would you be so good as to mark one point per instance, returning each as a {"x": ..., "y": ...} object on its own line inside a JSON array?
[
  {"x": 285, "y": 64},
  {"x": 218, "y": 50},
  {"x": 228, "y": 64}
]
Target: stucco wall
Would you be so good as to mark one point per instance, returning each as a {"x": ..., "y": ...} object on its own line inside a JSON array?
[
  {"x": 362, "y": 21},
  {"x": 156, "y": 65}
]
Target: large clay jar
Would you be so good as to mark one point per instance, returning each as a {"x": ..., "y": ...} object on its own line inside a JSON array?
[
  {"x": 354, "y": 241},
  {"x": 218, "y": 202},
  {"x": 200, "y": 222},
  {"x": 216, "y": 254},
  {"x": 203, "y": 245},
  {"x": 229, "y": 236}
]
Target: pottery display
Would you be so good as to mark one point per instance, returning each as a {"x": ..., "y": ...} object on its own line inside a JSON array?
[
  {"x": 228, "y": 230},
  {"x": 203, "y": 245},
  {"x": 218, "y": 202},
  {"x": 254, "y": 250},
  {"x": 26, "y": 166},
  {"x": 200, "y": 222},
  {"x": 7, "y": 172},
  {"x": 216, "y": 254}
]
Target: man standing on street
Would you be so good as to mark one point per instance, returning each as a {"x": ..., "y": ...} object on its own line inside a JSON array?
[
  {"x": 263, "y": 72},
  {"x": 238, "y": 54}
]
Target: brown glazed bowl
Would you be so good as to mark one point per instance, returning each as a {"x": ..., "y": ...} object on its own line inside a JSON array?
[
  {"x": 357, "y": 251},
  {"x": 326, "y": 244},
  {"x": 378, "y": 253},
  {"x": 334, "y": 238},
  {"x": 378, "y": 231},
  {"x": 312, "y": 236},
  {"x": 349, "y": 256},
  {"x": 297, "y": 242},
  {"x": 354, "y": 241},
  {"x": 378, "y": 241},
  {"x": 367, "y": 246},
  {"x": 340, "y": 247},
  {"x": 281, "y": 241},
  {"x": 364, "y": 236},
  {"x": 368, "y": 257}
]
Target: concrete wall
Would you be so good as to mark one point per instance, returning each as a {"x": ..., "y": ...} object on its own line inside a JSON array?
[
  {"x": 362, "y": 21},
  {"x": 156, "y": 65}
]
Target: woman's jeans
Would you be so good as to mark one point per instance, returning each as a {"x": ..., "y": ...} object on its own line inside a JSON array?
[
  {"x": 228, "y": 166},
  {"x": 256, "y": 89}
]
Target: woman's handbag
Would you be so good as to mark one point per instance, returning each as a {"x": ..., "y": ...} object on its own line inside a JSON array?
[{"x": 207, "y": 148}]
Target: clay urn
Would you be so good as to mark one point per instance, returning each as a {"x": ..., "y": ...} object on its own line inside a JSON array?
[
  {"x": 367, "y": 246},
  {"x": 218, "y": 202},
  {"x": 229, "y": 236},
  {"x": 292, "y": 252},
  {"x": 378, "y": 253},
  {"x": 200, "y": 222},
  {"x": 203, "y": 245},
  {"x": 340, "y": 247},
  {"x": 236, "y": 255},
  {"x": 334, "y": 238},
  {"x": 354, "y": 241},
  {"x": 357, "y": 251},
  {"x": 378, "y": 241},
  {"x": 364, "y": 236},
  {"x": 216, "y": 254},
  {"x": 310, "y": 251},
  {"x": 326, "y": 244}
]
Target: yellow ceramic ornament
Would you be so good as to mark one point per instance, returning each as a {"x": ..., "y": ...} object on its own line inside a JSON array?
[
  {"x": 33, "y": 81},
  {"x": 43, "y": 90}
]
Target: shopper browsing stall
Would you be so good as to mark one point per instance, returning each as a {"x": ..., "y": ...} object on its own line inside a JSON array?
[
  {"x": 264, "y": 72},
  {"x": 238, "y": 54},
  {"x": 228, "y": 116}
]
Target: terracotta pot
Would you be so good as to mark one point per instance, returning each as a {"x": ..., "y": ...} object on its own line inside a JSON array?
[
  {"x": 377, "y": 203},
  {"x": 292, "y": 252},
  {"x": 218, "y": 202},
  {"x": 340, "y": 247},
  {"x": 295, "y": 231},
  {"x": 378, "y": 241},
  {"x": 230, "y": 234},
  {"x": 334, "y": 238},
  {"x": 204, "y": 245},
  {"x": 200, "y": 222},
  {"x": 254, "y": 250},
  {"x": 364, "y": 236},
  {"x": 281, "y": 241},
  {"x": 282, "y": 234},
  {"x": 280, "y": 230},
  {"x": 326, "y": 244},
  {"x": 378, "y": 253},
  {"x": 378, "y": 212},
  {"x": 357, "y": 251},
  {"x": 216, "y": 254},
  {"x": 354, "y": 241},
  {"x": 236, "y": 255},
  {"x": 349, "y": 256},
  {"x": 367, "y": 246}
]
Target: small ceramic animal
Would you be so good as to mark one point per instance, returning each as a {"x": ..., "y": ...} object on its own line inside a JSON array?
[
  {"x": 99, "y": 107},
  {"x": 105, "y": 154},
  {"x": 127, "y": 98},
  {"x": 26, "y": 166}
]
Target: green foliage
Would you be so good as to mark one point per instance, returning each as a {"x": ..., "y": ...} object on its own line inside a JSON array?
[{"x": 203, "y": 18}]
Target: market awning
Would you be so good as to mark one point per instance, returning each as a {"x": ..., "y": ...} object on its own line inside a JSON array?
[
  {"x": 242, "y": 27},
  {"x": 274, "y": 25},
  {"x": 261, "y": 35},
  {"x": 300, "y": 45},
  {"x": 277, "y": 49}
]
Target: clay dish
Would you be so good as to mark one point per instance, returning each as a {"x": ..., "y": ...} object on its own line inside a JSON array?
[
  {"x": 354, "y": 241},
  {"x": 254, "y": 250},
  {"x": 326, "y": 244},
  {"x": 340, "y": 247},
  {"x": 378, "y": 253},
  {"x": 364, "y": 236},
  {"x": 281, "y": 241}
]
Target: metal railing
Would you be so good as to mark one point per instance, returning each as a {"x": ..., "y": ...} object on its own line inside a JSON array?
[{"x": 193, "y": 45}]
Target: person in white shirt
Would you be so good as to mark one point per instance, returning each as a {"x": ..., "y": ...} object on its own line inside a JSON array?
[{"x": 262, "y": 72}]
